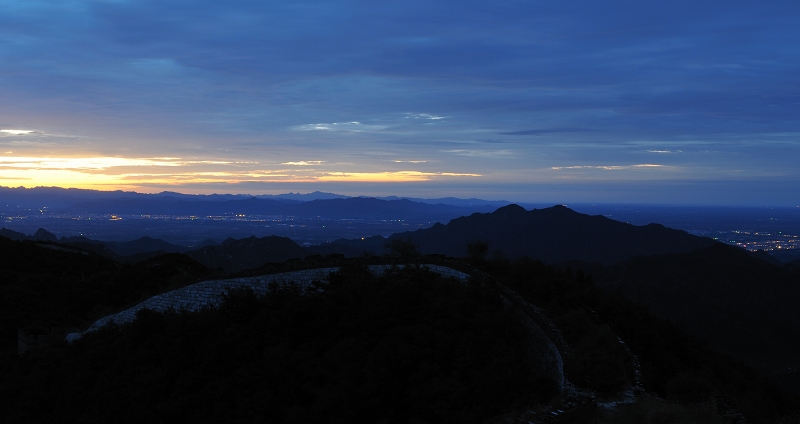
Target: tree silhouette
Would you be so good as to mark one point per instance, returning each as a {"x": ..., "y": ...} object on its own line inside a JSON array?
[
  {"x": 402, "y": 247},
  {"x": 477, "y": 251}
]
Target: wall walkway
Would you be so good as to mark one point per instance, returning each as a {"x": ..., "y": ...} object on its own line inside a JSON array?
[
  {"x": 210, "y": 293},
  {"x": 197, "y": 296}
]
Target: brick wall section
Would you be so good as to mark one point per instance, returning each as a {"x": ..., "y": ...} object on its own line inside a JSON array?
[{"x": 210, "y": 293}]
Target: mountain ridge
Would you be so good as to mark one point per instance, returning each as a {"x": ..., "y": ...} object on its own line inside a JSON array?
[{"x": 552, "y": 235}]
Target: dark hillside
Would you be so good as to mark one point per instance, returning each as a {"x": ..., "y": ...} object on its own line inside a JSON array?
[
  {"x": 794, "y": 265},
  {"x": 46, "y": 287},
  {"x": 552, "y": 235},
  {"x": 236, "y": 255},
  {"x": 12, "y": 235},
  {"x": 409, "y": 346},
  {"x": 678, "y": 367},
  {"x": 740, "y": 304},
  {"x": 143, "y": 245}
]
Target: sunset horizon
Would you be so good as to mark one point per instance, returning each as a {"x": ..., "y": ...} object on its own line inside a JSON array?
[{"x": 623, "y": 102}]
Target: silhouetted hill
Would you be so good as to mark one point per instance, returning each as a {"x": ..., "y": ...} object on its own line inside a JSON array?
[
  {"x": 786, "y": 255},
  {"x": 235, "y": 255},
  {"x": 766, "y": 257},
  {"x": 40, "y": 235},
  {"x": 742, "y": 305},
  {"x": 43, "y": 235},
  {"x": 143, "y": 244},
  {"x": 13, "y": 235},
  {"x": 794, "y": 265},
  {"x": 124, "y": 252},
  {"x": 46, "y": 286},
  {"x": 205, "y": 243},
  {"x": 551, "y": 235}
]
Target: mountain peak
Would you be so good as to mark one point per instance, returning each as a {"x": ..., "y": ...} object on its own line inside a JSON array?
[
  {"x": 554, "y": 234},
  {"x": 44, "y": 235},
  {"x": 512, "y": 209}
]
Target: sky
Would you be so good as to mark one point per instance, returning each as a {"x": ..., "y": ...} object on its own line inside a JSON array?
[{"x": 577, "y": 101}]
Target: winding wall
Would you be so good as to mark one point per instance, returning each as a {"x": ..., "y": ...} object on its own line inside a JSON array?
[
  {"x": 211, "y": 293},
  {"x": 197, "y": 296}
]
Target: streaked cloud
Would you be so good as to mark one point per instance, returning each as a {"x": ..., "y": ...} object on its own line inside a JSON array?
[
  {"x": 83, "y": 163},
  {"x": 119, "y": 172},
  {"x": 425, "y": 116},
  {"x": 480, "y": 153},
  {"x": 16, "y": 132},
  {"x": 305, "y": 163},
  {"x": 665, "y": 151},
  {"x": 388, "y": 177},
  {"x": 340, "y": 127},
  {"x": 610, "y": 167}
]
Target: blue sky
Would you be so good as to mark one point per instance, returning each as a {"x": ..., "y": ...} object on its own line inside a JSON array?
[{"x": 582, "y": 101}]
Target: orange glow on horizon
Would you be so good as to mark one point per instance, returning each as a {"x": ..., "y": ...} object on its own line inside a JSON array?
[
  {"x": 387, "y": 177},
  {"x": 117, "y": 173}
]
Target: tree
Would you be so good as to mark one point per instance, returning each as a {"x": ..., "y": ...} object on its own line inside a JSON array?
[
  {"x": 477, "y": 251},
  {"x": 402, "y": 247}
]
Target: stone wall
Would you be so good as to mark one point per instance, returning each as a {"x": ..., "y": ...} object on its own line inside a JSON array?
[{"x": 210, "y": 293}]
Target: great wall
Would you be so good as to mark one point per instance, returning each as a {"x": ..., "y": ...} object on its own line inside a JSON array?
[
  {"x": 197, "y": 296},
  {"x": 211, "y": 293},
  {"x": 547, "y": 344}
]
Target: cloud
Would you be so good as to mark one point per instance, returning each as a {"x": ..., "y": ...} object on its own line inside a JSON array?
[
  {"x": 426, "y": 116},
  {"x": 340, "y": 127},
  {"x": 118, "y": 172},
  {"x": 84, "y": 163},
  {"x": 480, "y": 153},
  {"x": 609, "y": 167},
  {"x": 305, "y": 163},
  {"x": 409, "y": 161},
  {"x": 16, "y": 132},
  {"x": 388, "y": 177},
  {"x": 665, "y": 151}
]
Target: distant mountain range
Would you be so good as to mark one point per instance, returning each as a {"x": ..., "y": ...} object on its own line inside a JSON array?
[
  {"x": 119, "y": 202},
  {"x": 50, "y": 202}
]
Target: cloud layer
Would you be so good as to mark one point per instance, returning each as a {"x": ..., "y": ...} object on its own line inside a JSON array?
[{"x": 510, "y": 90}]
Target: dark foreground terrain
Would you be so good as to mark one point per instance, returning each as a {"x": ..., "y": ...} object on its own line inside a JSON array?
[{"x": 406, "y": 346}]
